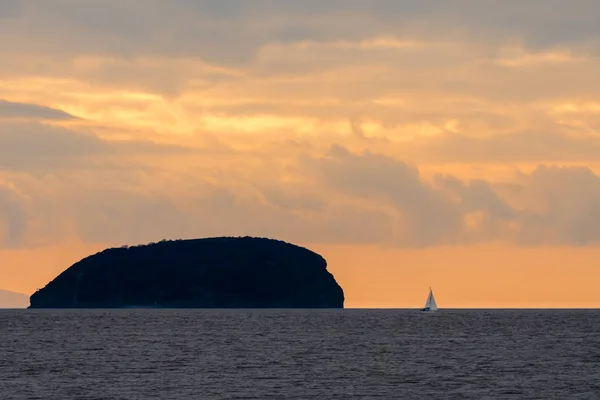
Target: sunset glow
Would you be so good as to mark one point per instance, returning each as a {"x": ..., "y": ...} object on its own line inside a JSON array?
[{"x": 455, "y": 146}]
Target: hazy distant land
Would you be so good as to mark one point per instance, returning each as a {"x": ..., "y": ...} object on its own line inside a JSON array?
[
  {"x": 225, "y": 272},
  {"x": 10, "y": 299}
]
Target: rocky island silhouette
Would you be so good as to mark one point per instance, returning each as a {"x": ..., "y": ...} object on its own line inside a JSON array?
[{"x": 223, "y": 272}]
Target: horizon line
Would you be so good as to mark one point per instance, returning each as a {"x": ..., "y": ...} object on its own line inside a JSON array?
[{"x": 315, "y": 309}]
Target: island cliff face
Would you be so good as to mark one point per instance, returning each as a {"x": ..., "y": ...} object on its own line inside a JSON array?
[{"x": 200, "y": 273}]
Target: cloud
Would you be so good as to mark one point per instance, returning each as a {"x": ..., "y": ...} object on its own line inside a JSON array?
[
  {"x": 25, "y": 144},
  {"x": 10, "y": 110},
  {"x": 335, "y": 197},
  {"x": 110, "y": 211},
  {"x": 515, "y": 147},
  {"x": 189, "y": 28},
  {"x": 428, "y": 215},
  {"x": 10, "y": 8},
  {"x": 13, "y": 219},
  {"x": 30, "y": 145},
  {"x": 130, "y": 121},
  {"x": 563, "y": 205},
  {"x": 552, "y": 205},
  {"x": 288, "y": 197},
  {"x": 458, "y": 70}
]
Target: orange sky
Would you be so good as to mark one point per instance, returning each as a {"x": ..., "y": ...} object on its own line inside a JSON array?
[
  {"x": 455, "y": 146},
  {"x": 484, "y": 276}
]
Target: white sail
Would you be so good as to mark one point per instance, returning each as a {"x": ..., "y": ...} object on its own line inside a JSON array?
[{"x": 430, "y": 304}]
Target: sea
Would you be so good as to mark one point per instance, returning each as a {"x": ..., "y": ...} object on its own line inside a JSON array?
[{"x": 299, "y": 354}]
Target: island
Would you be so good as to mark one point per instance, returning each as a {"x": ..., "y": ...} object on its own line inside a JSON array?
[
  {"x": 222, "y": 272},
  {"x": 10, "y": 299}
]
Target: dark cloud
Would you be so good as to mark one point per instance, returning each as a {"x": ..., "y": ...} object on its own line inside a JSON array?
[{"x": 9, "y": 110}]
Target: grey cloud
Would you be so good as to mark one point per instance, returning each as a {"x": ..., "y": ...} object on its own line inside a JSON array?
[
  {"x": 10, "y": 8},
  {"x": 569, "y": 206},
  {"x": 553, "y": 205},
  {"x": 25, "y": 146},
  {"x": 128, "y": 29},
  {"x": 431, "y": 218},
  {"x": 13, "y": 216},
  {"x": 351, "y": 198},
  {"x": 231, "y": 31},
  {"x": 476, "y": 195},
  {"x": 43, "y": 39},
  {"x": 425, "y": 215},
  {"x": 284, "y": 197},
  {"x": 287, "y": 214},
  {"x": 31, "y": 111},
  {"x": 330, "y": 223},
  {"x": 110, "y": 215},
  {"x": 119, "y": 216}
]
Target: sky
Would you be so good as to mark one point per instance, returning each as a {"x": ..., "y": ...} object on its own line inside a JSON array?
[{"x": 452, "y": 144}]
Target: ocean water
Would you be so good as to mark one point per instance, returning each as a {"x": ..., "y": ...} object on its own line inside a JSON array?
[{"x": 299, "y": 354}]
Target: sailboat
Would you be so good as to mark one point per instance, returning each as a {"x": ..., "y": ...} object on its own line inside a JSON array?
[{"x": 430, "y": 304}]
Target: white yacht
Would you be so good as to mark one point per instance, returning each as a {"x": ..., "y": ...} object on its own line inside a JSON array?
[{"x": 430, "y": 304}]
